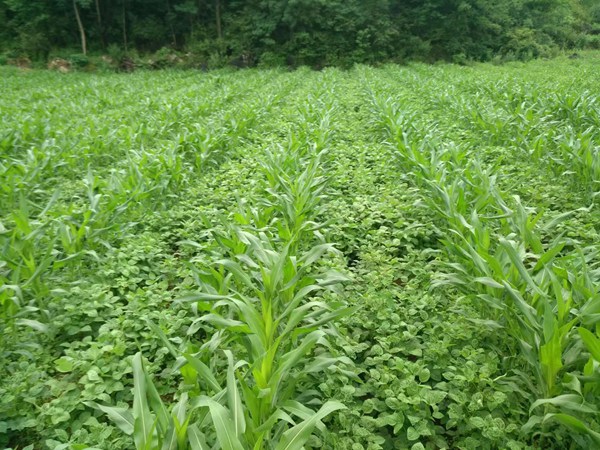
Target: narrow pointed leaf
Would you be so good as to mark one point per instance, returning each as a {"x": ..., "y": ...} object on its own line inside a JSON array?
[
  {"x": 592, "y": 343},
  {"x": 296, "y": 437},
  {"x": 233, "y": 398},
  {"x": 224, "y": 427},
  {"x": 196, "y": 438},
  {"x": 121, "y": 417},
  {"x": 203, "y": 371},
  {"x": 143, "y": 419}
]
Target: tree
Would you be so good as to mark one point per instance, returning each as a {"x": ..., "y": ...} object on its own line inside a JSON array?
[
  {"x": 80, "y": 24},
  {"x": 314, "y": 32}
]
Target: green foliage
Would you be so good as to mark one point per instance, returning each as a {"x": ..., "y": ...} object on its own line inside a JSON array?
[
  {"x": 505, "y": 263},
  {"x": 79, "y": 61},
  {"x": 372, "y": 258},
  {"x": 315, "y": 33}
]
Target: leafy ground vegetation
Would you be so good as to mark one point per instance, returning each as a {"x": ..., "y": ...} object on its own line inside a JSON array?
[{"x": 391, "y": 258}]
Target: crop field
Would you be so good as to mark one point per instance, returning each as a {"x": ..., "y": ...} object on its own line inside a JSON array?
[{"x": 403, "y": 257}]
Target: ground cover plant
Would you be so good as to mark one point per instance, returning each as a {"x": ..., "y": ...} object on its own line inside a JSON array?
[{"x": 378, "y": 258}]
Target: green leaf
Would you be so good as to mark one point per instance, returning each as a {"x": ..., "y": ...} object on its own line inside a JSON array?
[
  {"x": 424, "y": 375},
  {"x": 333, "y": 277},
  {"x": 170, "y": 438},
  {"x": 572, "y": 402},
  {"x": 557, "y": 220},
  {"x": 591, "y": 342},
  {"x": 412, "y": 434},
  {"x": 64, "y": 364},
  {"x": 518, "y": 263},
  {"x": 477, "y": 422},
  {"x": 314, "y": 254},
  {"x": 33, "y": 324},
  {"x": 278, "y": 415},
  {"x": 92, "y": 375},
  {"x": 180, "y": 409},
  {"x": 196, "y": 438},
  {"x": 224, "y": 426},
  {"x": 204, "y": 372},
  {"x": 548, "y": 256},
  {"x": 157, "y": 331},
  {"x": 201, "y": 296},
  {"x": 233, "y": 397},
  {"x": 298, "y": 409},
  {"x": 238, "y": 272},
  {"x": 295, "y": 437},
  {"x": 528, "y": 311},
  {"x": 157, "y": 406},
  {"x": 221, "y": 322},
  {"x": 551, "y": 359},
  {"x": 574, "y": 424},
  {"x": 489, "y": 282},
  {"x": 288, "y": 360},
  {"x": 122, "y": 417},
  {"x": 144, "y": 423}
]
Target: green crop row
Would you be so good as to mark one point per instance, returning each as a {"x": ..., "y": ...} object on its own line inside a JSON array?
[{"x": 540, "y": 288}]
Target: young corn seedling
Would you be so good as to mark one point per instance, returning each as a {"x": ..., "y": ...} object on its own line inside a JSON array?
[
  {"x": 26, "y": 257},
  {"x": 297, "y": 197},
  {"x": 27, "y": 253},
  {"x": 260, "y": 304},
  {"x": 315, "y": 126},
  {"x": 578, "y": 155},
  {"x": 151, "y": 425}
]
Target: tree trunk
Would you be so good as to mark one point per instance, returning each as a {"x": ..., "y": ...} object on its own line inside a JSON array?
[
  {"x": 100, "y": 27},
  {"x": 124, "y": 28},
  {"x": 170, "y": 20},
  {"x": 81, "y": 29},
  {"x": 218, "y": 18}
]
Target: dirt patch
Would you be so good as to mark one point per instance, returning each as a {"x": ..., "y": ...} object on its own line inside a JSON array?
[
  {"x": 60, "y": 65},
  {"x": 21, "y": 62}
]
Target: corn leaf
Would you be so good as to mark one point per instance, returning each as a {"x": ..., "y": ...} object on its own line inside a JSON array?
[
  {"x": 233, "y": 397},
  {"x": 295, "y": 437},
  {"x": 592, "y": 343},
  {"x": 121, "y": 417}
]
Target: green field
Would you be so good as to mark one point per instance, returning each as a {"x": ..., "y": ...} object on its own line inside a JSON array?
[{"x": 380, "y": 258}]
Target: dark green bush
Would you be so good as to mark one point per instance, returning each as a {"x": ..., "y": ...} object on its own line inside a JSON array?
[{"x": 78, "y": 61}]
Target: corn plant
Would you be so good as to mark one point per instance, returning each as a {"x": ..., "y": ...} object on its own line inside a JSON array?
[
  {"x": 578, "y": 153},
  {"x": 150, "y": 423},
  {"x": 26, "y": 256},
  {"x": 260, "y": 304},
  {"x": 295, "y": 197},
  {"x": 259, "y": 300},
  {"x": 27, "y": 252},
  {"x": 532, "y": 301}
]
